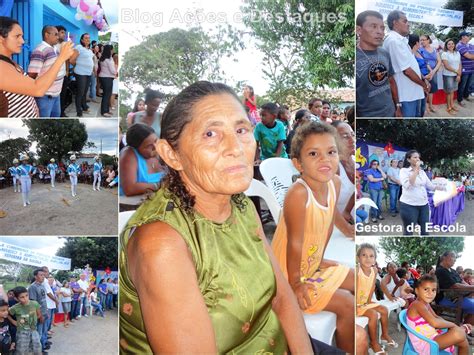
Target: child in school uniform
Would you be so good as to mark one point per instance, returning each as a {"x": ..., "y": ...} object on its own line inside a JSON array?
[
  {"x": 73, "y": 170},
  {"x": 97, "y": 173},
  {"x": 52, "y": 168}
]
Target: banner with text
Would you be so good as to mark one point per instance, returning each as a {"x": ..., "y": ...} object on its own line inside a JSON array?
[
  {"x": 30, "y": 257},
  {"x": 415, "y": 12},
  {"x": 383, "y": 153}
]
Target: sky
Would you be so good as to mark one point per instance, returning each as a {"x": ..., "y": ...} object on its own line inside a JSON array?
[
  {"x": 465, "y": 260},
  {"x": 142, "y": 18},
  {"x": 46, "y": 245},
  {"x": 111, "y": 9},
  {"x": 96, "y": 129}
]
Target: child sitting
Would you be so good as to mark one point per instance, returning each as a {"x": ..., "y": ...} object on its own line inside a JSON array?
[
  {"x": 422, "y": 319},
  {"x": 404, "y": 291},
  {"x": 303, "y": 232},
  {"x": 27, "y": 314},
  {"x": 366, "y": 274},
  {"x": 270, "y": 134}
]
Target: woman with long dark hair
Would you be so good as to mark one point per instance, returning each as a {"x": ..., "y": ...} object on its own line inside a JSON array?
[
  {"x": 17, "y": 90},
  {"x": 414, "y": 208},
  {"x": 84, "y": 65},
  {"x": 106, "y": 77}
]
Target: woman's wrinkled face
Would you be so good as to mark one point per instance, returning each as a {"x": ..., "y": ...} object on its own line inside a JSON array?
[
  {"x": 217, "y": 148},
  {"x": 147, "y": 148},
  {"x": 347, "y": 135},
  {"x": 391, "y": 268},
  {"x": 14, "y": 41}
]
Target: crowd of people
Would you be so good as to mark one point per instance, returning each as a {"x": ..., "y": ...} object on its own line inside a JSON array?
[
  {"x": 415, "y": 290},
  {"x": 28, "y": 315},
  {"x": 58, "y": 73},
  {"x": 22, "y": 175},
  {"x": 396, "y": 77},
  {"x": 206, "y": 161},
  {"x": 406, "y": 184}
]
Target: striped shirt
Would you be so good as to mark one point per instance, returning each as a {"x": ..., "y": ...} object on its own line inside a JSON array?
[
  {"x": 467, "y": 64},
  {"x": 41, "y": 60},
  {"x": 17, "y": 105}
]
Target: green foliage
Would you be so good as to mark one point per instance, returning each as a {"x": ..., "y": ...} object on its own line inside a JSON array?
[
  {"x": 15, "y": 273},
  {"x": 11, "y": 149},
  {"x": 177, "y": 58},
  {"x": 108, "y": 160},
  {"x": 304, "y": 48},
  {"x": 434, "y": 139},
  {"x": 420, "y": 251},
  {"x": 98, "y": 252},
  {"x": 56, "y": 137}
]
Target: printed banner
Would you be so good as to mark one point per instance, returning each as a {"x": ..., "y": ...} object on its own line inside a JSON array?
[
  {"x": 30, "y": 257},
  {"x": 103, "y": 274},
  {"x": 415, "y": 12},
  {"x": 383, "y": 153}
]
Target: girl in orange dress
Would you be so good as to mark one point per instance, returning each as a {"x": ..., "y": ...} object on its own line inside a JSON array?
[
  {"x": 366, "y": 273},
  {"x": 303, "y": 232}
]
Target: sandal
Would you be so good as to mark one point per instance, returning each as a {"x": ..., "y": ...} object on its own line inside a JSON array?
[{"x": 391, "y": 343}]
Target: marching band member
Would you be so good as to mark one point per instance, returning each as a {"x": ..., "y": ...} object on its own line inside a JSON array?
[
  {"x": 97, "y": 173},
  {"x": 73, "y": 170},
  {"x": 52, "y": 168}
]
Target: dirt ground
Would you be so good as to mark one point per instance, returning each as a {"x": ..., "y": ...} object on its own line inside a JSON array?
[
  {"x": 53, "y": 211},
  {"x": 92, "y": 335},
  {"x": 464, "y": 112}
]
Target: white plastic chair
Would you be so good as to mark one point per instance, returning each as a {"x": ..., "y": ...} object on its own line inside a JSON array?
[
  {"x": 258, "y": 189},
  {"x": 340, "y": 248},
  {"x": 278, "y": 174},
  {"x": 123, "y": 219},
  {"x": 367, "y": 203},
  {"x": 321, "y": 326}
]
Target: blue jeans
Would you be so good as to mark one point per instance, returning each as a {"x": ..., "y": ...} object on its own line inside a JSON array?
[
  {"x": 411, "y": 108},
  {"x": 394, "y": 189},
  {"x": 361, "y": 216},
  {"x": 97, "y": 308},
  {"x": 92, "y": 87},
  {"x": 50, "y": 318},
  {"x": 82, "y": 82},
  {"x": 49, "y": 106},
  {"x": 464, "y": 86},
  {"x": 422, "y": 107},
  {"x": 42, "y": 329},
  {"x": 376, "y": 196},
  {"x": 107, "y": 86},
  {"x": 467, "y": 304},
  {"x": 413, "y": 215},
  {"x": 102, "y": 298},
  {"x": 108, "y": 301},
  {"x": 75, "y": 307}
]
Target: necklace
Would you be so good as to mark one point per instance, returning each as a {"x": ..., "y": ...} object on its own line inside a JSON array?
[{"x": 368, "y": 58}]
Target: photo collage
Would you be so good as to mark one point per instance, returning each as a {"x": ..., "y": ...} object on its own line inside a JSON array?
[{"x": 267, "y": 177}]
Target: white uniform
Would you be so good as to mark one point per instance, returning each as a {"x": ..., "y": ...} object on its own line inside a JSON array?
[
  {"x": 73, "y": 170},
  {"x": 97, "y": 175},
  {"x": 16, "y": 177},
  {"x": 52, "y": 168},
  {"x": 24, "y": 171}
]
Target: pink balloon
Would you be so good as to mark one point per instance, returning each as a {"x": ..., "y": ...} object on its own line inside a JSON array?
[
  {"x": 74, "y": 3},
  {"x": 95, "y": 8},
  {"x": 83, "y": 6}
]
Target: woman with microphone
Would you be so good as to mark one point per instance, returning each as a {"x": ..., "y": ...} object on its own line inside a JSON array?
[{"x": 414, "y": 208}]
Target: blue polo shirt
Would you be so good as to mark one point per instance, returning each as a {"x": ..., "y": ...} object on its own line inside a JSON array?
[{"x": 376, "y": 174}]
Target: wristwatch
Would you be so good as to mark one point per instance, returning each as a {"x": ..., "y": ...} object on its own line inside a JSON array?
[{"x": 398, "y": 104}]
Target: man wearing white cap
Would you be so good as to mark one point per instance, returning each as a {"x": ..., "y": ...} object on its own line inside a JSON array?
[
  {"x": 52, "y": 168},
  {"x": 15, "y": 175},
  {"x": 97, "y": 173},
  {"x": 73, "y": 170},
  {"x": 25, "y": 171}
]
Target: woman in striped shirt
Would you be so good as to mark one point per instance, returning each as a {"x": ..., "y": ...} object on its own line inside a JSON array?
[{"x": 17, "y": 89}]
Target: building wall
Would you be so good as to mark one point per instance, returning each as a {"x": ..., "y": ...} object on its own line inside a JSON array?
[{"x": 34, "y": 14}]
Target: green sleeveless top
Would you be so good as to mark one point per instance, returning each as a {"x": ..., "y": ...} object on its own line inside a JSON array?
[{"x": 234, "y": 272}]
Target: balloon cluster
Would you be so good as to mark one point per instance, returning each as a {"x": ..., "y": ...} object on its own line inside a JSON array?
[{"x": 89, "y": 11}]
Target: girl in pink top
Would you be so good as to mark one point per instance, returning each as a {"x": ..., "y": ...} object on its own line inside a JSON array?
[
  {"x": 250, "y": 100},
  {"x": 423, "y": 320}
]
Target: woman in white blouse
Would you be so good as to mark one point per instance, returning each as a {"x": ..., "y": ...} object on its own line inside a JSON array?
[
  {"x": 107, "y": 74},
  {"x": 451, "y": 73},
  {"x": 414, "y": 208}
]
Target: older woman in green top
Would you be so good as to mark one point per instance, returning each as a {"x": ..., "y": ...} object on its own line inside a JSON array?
[{"x": 197, "y": 274}]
